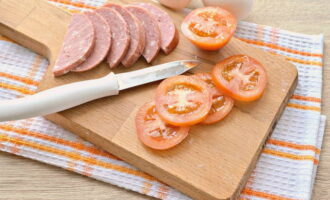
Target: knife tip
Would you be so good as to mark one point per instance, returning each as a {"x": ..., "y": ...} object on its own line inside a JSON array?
[{"x": 189, "y": 64}]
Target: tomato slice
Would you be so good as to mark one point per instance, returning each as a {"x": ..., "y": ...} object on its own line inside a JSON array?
[
  {"x": 183, "y": 100},
  {"x": 154, "y": 132},
  {"x": 241, "y": 77},
  {"x": 221, "y": 104},
  {"x": 210, "y": 28}
]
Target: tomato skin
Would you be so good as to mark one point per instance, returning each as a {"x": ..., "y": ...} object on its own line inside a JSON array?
[
  {"x": 218, "y": 116},
  {"x": 209, "y": 28},
  {"x": 221, "y": 104},
  {"x": 232, "y": 88},
  {"x": 210, "y": 46},
  {"x": 147, "y": 121},
  {"x": 183, "y": 100}
]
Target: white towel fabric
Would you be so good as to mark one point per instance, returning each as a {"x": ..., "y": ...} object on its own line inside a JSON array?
[{"x": 285, "y": 170}]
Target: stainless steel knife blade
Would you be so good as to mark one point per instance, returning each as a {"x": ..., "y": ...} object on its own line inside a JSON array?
[{"x": 154, "y": 73}]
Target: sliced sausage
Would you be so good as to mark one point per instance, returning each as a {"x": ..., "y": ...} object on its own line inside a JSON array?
[
  {"x": 78, "y": 44},
  {"x": 120, "y": 35},
  {"x": 102, "y": 42},
  {"x": 152, "y": 45},
  {"x": 137, "y": 34},
  {"x": 169, "y": 35}
]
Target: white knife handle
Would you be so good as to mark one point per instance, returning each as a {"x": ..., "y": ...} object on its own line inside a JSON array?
[{"x": 58, "y": 98}]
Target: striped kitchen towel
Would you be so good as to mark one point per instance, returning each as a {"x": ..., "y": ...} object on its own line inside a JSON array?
[{"x": 285, "y": 170}]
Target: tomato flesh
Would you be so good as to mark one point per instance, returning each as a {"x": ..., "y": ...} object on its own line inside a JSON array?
[
  {"x": 154, "y": 132},
  {"x": 210, "y": 28},
  {"x": 183, "y": 100},
  {"x": 241, "y": 77},
  {"x": 221, "y": 104}
]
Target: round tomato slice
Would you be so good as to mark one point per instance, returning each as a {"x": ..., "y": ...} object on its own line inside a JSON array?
[
  {"x": 241, "y": 77},
  {"x": 221, "y": 104},
  {"x": 210, "y": 28},
  {"x": 154, "y": 132},
  {"x": 183, "y": 100}
]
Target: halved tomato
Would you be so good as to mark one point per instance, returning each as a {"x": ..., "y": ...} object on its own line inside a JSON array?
[
  {"x": 183, "y": 100},
  {"x": 221, "y": 104},
  {"x": 241, "y": 77},
  {"x": 210, "y": 28},
  {"x": 154, "y": 132}
]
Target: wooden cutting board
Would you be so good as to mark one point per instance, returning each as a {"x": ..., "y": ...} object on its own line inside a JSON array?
[{"x": 214, "y": 162}]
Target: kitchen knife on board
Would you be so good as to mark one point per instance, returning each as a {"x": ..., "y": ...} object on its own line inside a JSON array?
[{"x": 70, "y": 95}]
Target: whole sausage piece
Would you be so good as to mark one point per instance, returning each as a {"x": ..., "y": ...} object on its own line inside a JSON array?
[
  {"x": 137, "y": 34},
  {"x": 78, "y": 44},
  {"x": 152, "y": 45},
  {"x": 169, "y": 35},
  {"x": 102, "y": 42},
  {"x": 120, "y": 35}
]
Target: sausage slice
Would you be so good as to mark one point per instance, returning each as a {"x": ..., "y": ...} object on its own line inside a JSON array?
[
  {"x": 150, "y": 25},
  {"x": 137, "y": 34},
  {"x": 102, "y": 42},
  {"x": 78, "y": 44},
  {"x": 169, "y": 35},
  {"x": 120, "y": 35}
]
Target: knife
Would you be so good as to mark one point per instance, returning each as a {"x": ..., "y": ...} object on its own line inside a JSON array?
[{"x": 70, "y": 95}]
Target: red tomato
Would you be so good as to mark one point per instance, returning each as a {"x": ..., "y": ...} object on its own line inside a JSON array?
[
  {"x": 241, "y": 77},
  {"x": 183, "y": 100},
  {"x": 154, "y": 132},
  {"x": 221, "y": 104},
  {"x": 210, "y": 28}
]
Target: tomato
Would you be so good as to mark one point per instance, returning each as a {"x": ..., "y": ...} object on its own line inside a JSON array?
[
  {"x": 210, "y": 28},
  {"x": 183, "y": 100},
  {"x": 154, "y": 132},
  {"x": 241, "y": 77},
  {"x": 221, "y": 104}
]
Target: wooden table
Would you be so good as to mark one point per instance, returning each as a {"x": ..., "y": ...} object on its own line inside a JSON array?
[{"x": 26, "y": 179}]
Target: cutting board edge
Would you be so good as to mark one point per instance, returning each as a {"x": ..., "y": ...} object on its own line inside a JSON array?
[
  {"x": 267, "y": 136},
  {"x": 25, "y": 41}
]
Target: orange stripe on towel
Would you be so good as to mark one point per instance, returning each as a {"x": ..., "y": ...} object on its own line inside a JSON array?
[
  {"x": 76, "y": 4},
  {"x": 306, "y": 62},
  {"x": 250, "y": 192},
  {"x": 303, "y": 107},
  {"x": 303, "y": 98},
  {"x": 300, "y": 61},
  {"x": 76, "y": 156},
  {"x": 290, "y": 156},
  {"x": 20, "y": 79},
  {"x": 303, "y": 61},
  {"x": 75, "y": 145},
  {"x": 16, "y": 88},
  {"x": 293, "y": 146},
  {"x": 277, "y": 47}
]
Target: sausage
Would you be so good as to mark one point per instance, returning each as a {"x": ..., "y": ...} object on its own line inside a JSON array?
[
  {"x": 102, "y": 42},
  {"x": 120, "y": 35},
  {"x": 169, "y": 35},
  {"x": 78, "y": 44},
  {"x": 137, "y": 34},
  {"x": 152, "y": 45}
]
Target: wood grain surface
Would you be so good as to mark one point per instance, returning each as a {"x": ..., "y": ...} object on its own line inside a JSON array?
[{"x": 15, "y": 183}]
